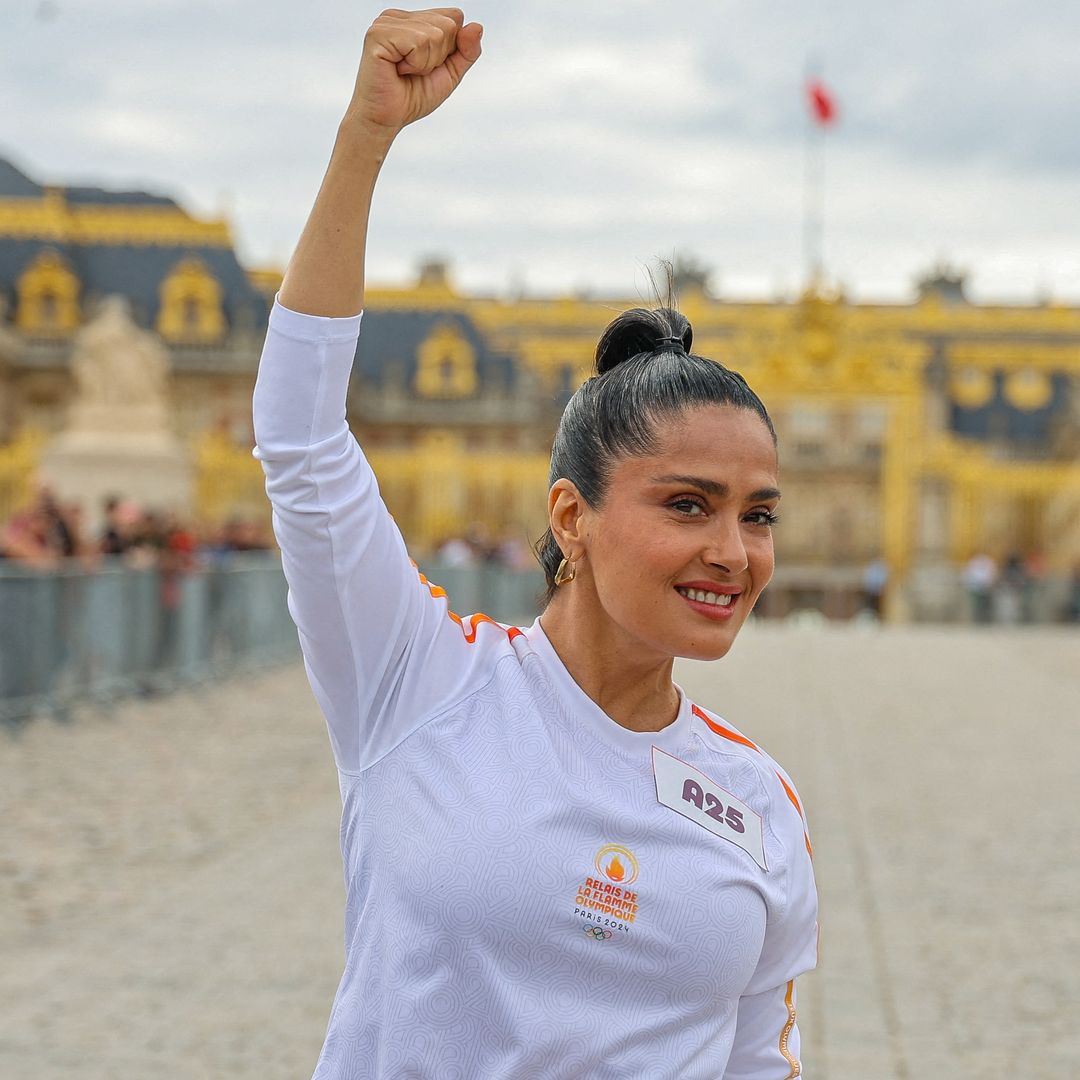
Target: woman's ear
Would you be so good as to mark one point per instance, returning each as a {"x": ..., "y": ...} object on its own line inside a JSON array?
[{"x": 566, "y": 509}]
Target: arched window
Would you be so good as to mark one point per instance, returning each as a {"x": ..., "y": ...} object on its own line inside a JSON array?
[
  {"x": 446, "y": 364},
  {"x": 48, "y": 297},
  {"x": 191, "y": 309},
  {"x": 192, "y": 315}
]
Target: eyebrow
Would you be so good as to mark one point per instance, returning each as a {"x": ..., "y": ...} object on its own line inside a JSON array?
[{"x": 714, "y": 487}]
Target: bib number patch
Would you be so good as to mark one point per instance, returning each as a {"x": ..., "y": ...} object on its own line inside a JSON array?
[{"x": 681, "y": 788}]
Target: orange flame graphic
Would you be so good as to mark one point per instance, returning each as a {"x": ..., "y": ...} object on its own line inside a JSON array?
[{"x": 616, "y": 871}]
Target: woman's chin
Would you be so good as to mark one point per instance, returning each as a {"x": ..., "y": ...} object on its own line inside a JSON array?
[{"x": 704, "y": 649}]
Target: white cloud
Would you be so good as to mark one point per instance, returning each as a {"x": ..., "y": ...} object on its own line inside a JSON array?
[
  {"x": 591, "y": 136},
  {"x": 127, "y": 129}
]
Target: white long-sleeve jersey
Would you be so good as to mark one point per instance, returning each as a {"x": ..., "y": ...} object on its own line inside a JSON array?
[{"x": 533, "y": 891}]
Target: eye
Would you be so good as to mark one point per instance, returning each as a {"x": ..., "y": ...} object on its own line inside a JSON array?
[
  {"x": 762, "y": 517},
  {"x": 687, "y": 507}
]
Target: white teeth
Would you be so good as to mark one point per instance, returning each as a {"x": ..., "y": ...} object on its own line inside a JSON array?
[{"x": 703, "y": 597}]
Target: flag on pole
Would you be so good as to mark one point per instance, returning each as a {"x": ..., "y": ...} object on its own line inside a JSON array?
[{"x": 822, "y": 103}]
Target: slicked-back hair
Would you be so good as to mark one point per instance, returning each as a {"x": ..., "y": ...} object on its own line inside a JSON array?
[{"x": 640, "y": 382}]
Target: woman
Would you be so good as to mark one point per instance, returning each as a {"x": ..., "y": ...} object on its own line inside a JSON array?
[{"x": 556, "y": 865}]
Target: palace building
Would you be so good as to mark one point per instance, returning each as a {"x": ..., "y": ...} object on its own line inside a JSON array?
[{"x": 918, "y": 433}]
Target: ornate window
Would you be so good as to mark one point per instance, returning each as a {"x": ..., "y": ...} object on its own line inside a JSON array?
[
  {"x": 191, "y": 309},
  {"x": 48, "y": 296},
  {"x": 446, "y": 364}
]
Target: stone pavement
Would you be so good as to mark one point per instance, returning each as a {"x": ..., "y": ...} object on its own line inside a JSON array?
[
  {"x": 171, "y": 894},
  {"x": 939, "y": 769}
]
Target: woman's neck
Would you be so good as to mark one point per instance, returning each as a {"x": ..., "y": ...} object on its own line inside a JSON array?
[{"x": 628, "y": 680}]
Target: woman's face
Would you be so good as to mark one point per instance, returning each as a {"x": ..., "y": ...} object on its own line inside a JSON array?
[{"x": 682, "y": 545}]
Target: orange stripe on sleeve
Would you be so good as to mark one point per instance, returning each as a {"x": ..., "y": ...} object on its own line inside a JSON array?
[
  {"x": 475, "y": 621},
  {"x": 794, "y": 1064},
  {"x": 791, "y": 795},
  {"x": 735, "y": 737}
]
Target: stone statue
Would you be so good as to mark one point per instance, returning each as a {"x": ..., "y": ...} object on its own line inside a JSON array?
[
  {"x": 117, "y": 367},
  {"x": 119, "y": 436}
]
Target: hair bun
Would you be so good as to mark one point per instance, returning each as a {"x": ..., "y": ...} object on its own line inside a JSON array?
[{"x": 641, "y": 330}]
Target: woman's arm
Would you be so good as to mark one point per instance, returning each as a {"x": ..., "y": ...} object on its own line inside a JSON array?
[
  {"x": 767, "y": 1042},
  {"x": 380, "y": 650},
  {"x": 412, "y": 61}
]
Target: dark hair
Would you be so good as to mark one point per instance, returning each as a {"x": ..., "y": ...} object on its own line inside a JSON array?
[{"x": 641, "y": 377}]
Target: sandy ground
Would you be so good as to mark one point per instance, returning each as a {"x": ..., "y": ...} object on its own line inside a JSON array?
[{"x": 171, "y": 894}]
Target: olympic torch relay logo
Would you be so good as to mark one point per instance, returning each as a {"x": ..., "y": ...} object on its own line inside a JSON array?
[
  {"x": 617, "y": 864},
  {"x": 606, "y": 902}
]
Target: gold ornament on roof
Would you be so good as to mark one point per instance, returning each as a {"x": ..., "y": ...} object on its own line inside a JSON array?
[
  {"x": 1028, "y": 390},
  {"x": 971, "y": 387},
  {"x": 52, "y": 218}
]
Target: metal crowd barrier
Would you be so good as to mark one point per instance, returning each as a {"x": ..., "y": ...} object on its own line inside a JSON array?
[{"x": 74, "y": 636}]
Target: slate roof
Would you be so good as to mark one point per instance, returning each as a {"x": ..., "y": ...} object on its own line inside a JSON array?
[
  {"x": 135, "y": 271},
  {"x": 390, "y": 340},
  {"x": 15, "y": 183}
]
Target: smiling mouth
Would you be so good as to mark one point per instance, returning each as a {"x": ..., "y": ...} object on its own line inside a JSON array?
[{"x": 704, "y": 597}]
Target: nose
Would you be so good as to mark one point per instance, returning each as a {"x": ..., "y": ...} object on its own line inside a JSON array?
[{"x": 726, "y": 550}]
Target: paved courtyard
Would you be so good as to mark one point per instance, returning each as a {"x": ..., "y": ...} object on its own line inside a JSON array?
[{"x": 170, "y": 886}]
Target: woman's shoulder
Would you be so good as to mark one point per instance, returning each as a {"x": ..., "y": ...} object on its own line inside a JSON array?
[{"x": 721, "y": 735}]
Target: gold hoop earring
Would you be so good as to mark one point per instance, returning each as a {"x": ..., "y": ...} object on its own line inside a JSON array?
[{"x": 561, "y": 575}]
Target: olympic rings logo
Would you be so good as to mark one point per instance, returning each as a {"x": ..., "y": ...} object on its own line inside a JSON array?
[{"x": 597, "y": 933}]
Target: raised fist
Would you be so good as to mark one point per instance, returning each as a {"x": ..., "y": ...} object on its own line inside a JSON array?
[{"x": 412, "y": 62}]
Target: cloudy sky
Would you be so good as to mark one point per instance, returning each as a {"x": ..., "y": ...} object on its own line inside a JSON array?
[{"x": 592, "y": 136}]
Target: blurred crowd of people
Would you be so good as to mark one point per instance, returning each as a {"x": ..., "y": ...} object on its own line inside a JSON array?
[
  {"x": 476, "y": 547},
  {"x": 1007, "y": 592},
  {"x": 47, "y": 532}
]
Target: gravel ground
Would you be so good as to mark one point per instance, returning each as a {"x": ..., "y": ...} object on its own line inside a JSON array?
[{"x": 171, "y": 894}]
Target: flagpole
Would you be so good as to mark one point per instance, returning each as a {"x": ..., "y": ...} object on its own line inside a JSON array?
[
  {"x": 813, "y": 211},
  {"x": 814, "y": 180}
]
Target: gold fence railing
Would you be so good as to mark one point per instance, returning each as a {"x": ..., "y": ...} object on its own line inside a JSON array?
[
  {"x": 18, "y": 468},
  {"x": 228, "y": 481},
  {"x": 440, "y": 488}
]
